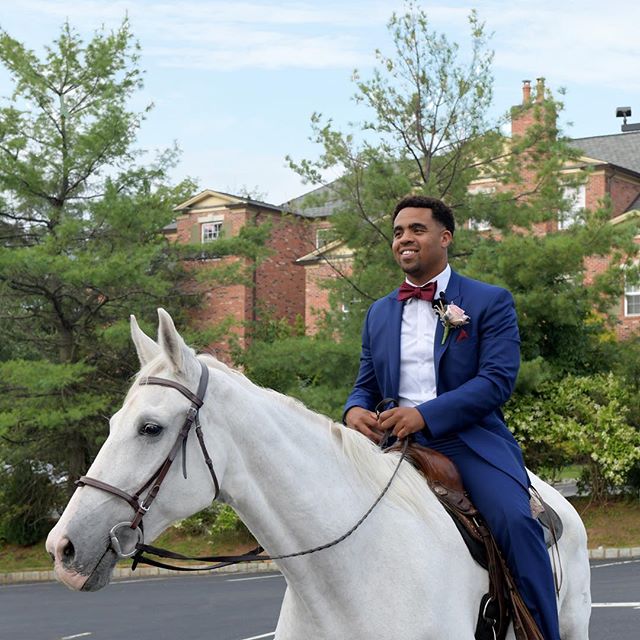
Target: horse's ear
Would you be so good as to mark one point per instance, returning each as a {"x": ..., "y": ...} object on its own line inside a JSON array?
[
  {"x": 146, "y": 348},
  {"x": 174, "y": 347}
]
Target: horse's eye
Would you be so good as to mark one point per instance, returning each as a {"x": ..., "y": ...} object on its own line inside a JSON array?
[{"x": 150, "y": 429}]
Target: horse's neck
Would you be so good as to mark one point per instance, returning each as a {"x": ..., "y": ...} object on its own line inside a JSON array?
[{"x": 286, "y": 476}]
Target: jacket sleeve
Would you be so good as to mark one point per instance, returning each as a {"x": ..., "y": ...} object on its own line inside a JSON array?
[
  {"x": 474, "y": 398},
  {"x": 366, "y": 390}
]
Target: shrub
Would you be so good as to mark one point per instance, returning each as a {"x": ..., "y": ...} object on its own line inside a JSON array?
[
  {"x": 216, "y": 519},
  {"x": 584, "y": 419},
  {"x": 28, "y": 499}
]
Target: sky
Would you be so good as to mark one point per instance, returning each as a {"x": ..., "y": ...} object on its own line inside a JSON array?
[{"x": 235, "y": 83}]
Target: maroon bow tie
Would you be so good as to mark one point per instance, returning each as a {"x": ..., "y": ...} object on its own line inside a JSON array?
[{"x": 427, "y": 292}]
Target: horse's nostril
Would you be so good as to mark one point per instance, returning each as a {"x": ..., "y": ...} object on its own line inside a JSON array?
[
  {"x": 69, "y": 551},
  {"x": 64, "y": 551}
]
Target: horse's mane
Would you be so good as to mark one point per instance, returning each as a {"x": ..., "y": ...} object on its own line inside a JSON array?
[{"x": 408, "y": 490}]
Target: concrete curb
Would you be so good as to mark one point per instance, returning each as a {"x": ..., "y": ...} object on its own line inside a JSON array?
[
  {"x": 602, "y": 553},
  {"x": 124, "y": 573},
  {"x": 265, "y": 566}
]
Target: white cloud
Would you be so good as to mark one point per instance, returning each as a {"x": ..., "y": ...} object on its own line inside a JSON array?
[
  {"x": 311, "y": 53},
  {"x": 584, "y": 43},
  {"x": 229, "y": 35}
]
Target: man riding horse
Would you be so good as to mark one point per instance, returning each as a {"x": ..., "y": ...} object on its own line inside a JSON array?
[{"x": 447, "y": 349}]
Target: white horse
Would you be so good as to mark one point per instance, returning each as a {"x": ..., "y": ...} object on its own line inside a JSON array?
[{"x": 297, "y": 480}]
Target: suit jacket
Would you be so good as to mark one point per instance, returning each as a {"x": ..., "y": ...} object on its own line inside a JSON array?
[{"x": 475, "y": 373}]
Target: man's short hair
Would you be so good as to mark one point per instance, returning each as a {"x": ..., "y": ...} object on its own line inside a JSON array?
[{"x": 441, "y": 212}]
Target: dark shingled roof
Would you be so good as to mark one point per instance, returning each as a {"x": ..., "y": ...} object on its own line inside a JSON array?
[
  {"x": 325, "y": 194},
  {"x": 621, "y": 149}
]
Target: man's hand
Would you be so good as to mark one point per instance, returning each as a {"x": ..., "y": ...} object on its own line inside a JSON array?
[
  {"x": 365, "y": 422},
  {"x": 403, "y": 420}
]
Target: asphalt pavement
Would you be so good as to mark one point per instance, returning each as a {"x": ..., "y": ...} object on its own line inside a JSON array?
[{"x": 234, "y": 607}]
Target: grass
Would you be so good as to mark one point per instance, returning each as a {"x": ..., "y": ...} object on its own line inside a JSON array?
[{"x": 614, "y": 524}]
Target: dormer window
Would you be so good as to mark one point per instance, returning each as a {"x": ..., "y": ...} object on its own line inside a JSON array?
[{"x": 211, "y": 231}]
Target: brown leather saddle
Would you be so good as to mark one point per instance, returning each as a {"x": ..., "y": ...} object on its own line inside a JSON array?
[{"x": 502, "y": 603}]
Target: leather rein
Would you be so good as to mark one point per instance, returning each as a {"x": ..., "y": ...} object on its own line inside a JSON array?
[{"x": 155, "y": 481}]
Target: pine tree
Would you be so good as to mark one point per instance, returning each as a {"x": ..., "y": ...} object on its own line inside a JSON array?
[{"x": 80, "y": 244}]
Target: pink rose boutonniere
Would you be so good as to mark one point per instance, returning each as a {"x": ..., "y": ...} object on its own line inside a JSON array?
[{"x": 451, "y": 316}]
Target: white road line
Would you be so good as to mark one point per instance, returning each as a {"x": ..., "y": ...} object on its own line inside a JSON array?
[
  {"x": 77, "y": 635},
  {"x": 264, "y": 635},
  {"x": 276, "y": 575},
  {"x": 135, "y": 580},
  {"x": 627, "y": 605},
  {"x": 614, "y": 564}
]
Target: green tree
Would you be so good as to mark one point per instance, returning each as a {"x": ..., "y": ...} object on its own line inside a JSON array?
[
  {"x": 316, "y": 370},
  {"x": 427, "y": 130},
  {"x": 425, "y": 119},
  {"x": 80, "y": 244}
]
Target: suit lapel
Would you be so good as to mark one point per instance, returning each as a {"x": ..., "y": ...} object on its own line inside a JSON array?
[
  {"x": 452, "y": 294},
  {"x": 393, "y": 332}
]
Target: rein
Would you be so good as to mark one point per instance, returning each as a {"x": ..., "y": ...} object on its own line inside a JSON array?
[{"x": 156, "y": 480}]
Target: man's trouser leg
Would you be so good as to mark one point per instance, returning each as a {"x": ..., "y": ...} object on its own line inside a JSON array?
[{"x": 504, "y": 504}]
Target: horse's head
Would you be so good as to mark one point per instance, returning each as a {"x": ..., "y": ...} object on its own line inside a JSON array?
[{"x": 141, "y": 436}]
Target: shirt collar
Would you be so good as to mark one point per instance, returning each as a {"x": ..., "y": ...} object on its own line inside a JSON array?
[{"x": 442, "y": 279}]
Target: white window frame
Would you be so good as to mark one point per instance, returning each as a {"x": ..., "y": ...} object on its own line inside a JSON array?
[
  {"x": 210, "y": 231},
  {"x": 578, "y": 197},
  {"x": 631, "y": 291}
]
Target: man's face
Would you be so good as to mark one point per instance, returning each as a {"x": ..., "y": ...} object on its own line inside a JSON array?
[{"x": 420, "y": 244}]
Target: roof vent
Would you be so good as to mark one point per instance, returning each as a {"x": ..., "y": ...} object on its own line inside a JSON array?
[{"x": 624, "y": 113}]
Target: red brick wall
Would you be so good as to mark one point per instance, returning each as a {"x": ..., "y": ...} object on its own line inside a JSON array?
[
  {"x": 624, "y": 190},
  {"x": 595, "y": 189},
  {"x": 626, "y": 325},
  {"x": 280, "y": 282},
  {"x": 317, "y": 295}
]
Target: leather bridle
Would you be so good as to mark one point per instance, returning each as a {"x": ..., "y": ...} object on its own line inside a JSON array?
[
  {"x": 155, "y": 481},
  {"x": 141, "y": 507}
]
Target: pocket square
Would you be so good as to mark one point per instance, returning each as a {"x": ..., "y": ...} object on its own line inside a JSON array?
[{"x": 462, "y": 335}]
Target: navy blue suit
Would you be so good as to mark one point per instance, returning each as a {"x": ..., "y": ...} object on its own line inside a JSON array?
[{"x": 475, "y": 374}]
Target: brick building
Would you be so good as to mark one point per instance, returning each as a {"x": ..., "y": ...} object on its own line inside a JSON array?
[
  {"x": 290, "y": 282},
  {"x": 612, "y": 166},
  {"x": 274, "y": 287}
]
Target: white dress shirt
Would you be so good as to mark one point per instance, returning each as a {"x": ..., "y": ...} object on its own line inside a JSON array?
[{"x": 417, "y": 336}]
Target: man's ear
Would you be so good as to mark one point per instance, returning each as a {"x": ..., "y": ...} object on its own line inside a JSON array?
[
  {"x": 146, "y": 348},
  {"x": 181, "y": 357}
]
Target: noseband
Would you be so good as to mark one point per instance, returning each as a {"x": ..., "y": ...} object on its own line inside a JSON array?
[{"x": 156, "y": 480}]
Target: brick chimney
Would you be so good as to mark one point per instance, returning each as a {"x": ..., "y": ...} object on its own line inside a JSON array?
[{"x": 524, "y": 115}]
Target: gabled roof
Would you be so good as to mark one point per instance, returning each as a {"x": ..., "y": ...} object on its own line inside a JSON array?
[
  {"x": 620, "y": 149},
  {"x": 208, "y": 199}
]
